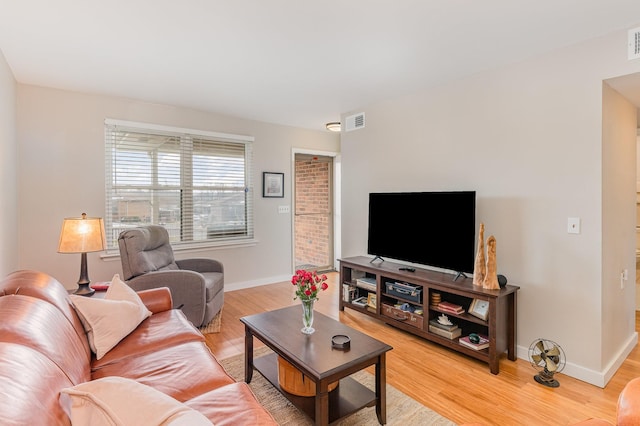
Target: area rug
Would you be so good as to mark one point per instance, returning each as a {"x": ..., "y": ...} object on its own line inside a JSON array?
[
  {"x": 401, "y": 410},
  {"x": 214, "y": 325}
]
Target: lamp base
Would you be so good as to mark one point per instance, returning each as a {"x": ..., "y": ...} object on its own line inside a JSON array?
[{"x": 84, "y": 290}]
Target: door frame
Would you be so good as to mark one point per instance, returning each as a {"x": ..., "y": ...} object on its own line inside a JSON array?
[{"x": 336, "y": 185}]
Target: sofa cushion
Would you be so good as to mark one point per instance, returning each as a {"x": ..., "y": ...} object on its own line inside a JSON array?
[
  {"x": 116, "y": 400},
  {"x": 181, "y": 371},
  {"x": 231, "y": 405},
  {"x": 109, "y": 320},
  {"x": 44, "y": 287},
  {"x": 159, "y": 331},
  {"x": 29, "y": 386},
  {"x": 39, "y": 325}
]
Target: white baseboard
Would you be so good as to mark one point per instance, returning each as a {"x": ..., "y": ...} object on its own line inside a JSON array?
[
  {"x": 256, "y": 283},
  {"x": 596, "y": 378}
]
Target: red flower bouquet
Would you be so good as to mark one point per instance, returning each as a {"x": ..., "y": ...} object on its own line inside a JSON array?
[{"x": 308, "y": 284}]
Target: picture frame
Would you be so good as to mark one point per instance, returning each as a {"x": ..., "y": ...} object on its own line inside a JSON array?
[
  {"x": 372, "y": 300},
  {"x": 272, "y": 185},
  {"x": 479, "y": 308}
]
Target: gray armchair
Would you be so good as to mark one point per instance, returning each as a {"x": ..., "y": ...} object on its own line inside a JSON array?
[{"x": 197, "y": 285}]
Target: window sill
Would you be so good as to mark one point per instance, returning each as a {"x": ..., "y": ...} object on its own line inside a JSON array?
[{"x": 192, "y": 247}]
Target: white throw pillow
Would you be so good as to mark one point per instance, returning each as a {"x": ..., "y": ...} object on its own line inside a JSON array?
[
  {"x": 120, "y": 401},
  {"x": 109, "y": 320}
]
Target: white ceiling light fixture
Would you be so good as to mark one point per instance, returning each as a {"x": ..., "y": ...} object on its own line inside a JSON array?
[{"x": 333, "y": 126}]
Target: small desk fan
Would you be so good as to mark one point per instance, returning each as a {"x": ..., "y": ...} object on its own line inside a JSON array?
[{"x": 548, "y": 358}]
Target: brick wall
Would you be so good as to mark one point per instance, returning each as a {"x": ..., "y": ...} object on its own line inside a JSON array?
[{"x": 313, "y": 213}]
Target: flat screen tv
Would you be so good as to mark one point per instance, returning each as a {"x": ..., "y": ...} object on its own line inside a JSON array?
[{"x": 427, "y": 228}]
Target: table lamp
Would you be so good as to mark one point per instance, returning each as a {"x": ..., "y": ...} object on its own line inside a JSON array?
[{"x": 82, "y": 235}]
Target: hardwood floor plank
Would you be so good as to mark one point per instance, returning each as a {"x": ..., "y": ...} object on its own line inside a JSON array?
[{"x": 456, "y": 386}]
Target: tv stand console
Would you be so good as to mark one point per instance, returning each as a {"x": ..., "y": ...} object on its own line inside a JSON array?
[{"x": 409, "y": 301}]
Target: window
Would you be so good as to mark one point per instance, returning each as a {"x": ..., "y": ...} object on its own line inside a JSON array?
[{"x": 195, "y": 184}]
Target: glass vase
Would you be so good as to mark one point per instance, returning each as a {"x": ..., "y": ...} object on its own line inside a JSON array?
[{"x": 307, "y": 316}]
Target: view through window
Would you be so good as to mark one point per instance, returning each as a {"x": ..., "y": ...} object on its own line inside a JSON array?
[{"x": 195, "y": 184}]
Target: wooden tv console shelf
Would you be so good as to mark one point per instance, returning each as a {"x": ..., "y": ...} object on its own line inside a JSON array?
[{"x": 383, "y": 284}]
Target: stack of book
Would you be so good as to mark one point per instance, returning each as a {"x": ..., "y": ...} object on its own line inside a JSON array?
[
  {"x": 482, "y": 344},
  {"x": 449, "y": 331},
  {"x": 450, "y": 307}
]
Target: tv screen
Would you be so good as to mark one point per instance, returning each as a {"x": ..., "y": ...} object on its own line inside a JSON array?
[{"x": 429, "y": 228}]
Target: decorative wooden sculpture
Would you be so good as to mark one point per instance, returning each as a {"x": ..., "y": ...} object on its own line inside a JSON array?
[
  {"x": 479, "y": 269},
  {"x": 491, "y": 278}
]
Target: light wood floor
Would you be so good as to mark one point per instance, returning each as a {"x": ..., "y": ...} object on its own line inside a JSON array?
[{"x": 456, "y": 386}]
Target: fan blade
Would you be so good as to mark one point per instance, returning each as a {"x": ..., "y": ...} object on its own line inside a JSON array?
[
  {"x": 536, "y": 358},
  {"x": 540, "y": 346},
  {"x": 553, "y": 351},
  {"x": 551, "y": 366}
]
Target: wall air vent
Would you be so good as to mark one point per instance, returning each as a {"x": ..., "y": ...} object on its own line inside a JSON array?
[
  {"x": 634, "y": 44},
  {"x": 355, "y": 122}
]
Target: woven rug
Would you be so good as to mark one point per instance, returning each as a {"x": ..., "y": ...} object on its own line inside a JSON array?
[
  {"x": 401, "y": 410},
  {"x": 214, "y": 325}
]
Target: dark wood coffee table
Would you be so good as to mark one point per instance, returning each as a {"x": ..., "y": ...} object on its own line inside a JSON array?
[{"x": 315, "y": 357}]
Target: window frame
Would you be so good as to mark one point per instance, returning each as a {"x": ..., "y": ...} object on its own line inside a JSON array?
[{"x": 186, "y": 137}]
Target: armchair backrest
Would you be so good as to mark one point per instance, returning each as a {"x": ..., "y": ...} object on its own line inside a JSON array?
[{"x": 145, "y": 249}]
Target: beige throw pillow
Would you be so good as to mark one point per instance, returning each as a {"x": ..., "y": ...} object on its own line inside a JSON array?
[
  {"x": 120, "y": 401},
  {"x": 109, "y": 320}
]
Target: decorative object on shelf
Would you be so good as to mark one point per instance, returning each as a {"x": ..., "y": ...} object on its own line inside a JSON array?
[
  {"x": 444, "y": 320},
  {"x": 491, "y": 278},
  {"x": 308, "y": 284},
  {"x": 475, "y": 341},
  {"x": 371, "y": 300},
  {"x": 272, "y": 185},
  {"x": 548, "y": 358},
  {"x": 82, "y": 235},
  {"x": 502, "y": 281},
  {"x": 436, "y": 298},
  {"x": 360, "y": 301},
  {"x": 479, "y": 269},
  {"x": 479, "y": 308}
]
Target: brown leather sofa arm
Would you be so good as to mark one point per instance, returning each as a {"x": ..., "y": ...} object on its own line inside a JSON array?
[
  {"x": 157, "y": 299},
  {"x": 629, "y": 404}
]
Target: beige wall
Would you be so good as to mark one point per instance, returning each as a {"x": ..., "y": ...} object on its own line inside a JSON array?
[
  {"x": 619, "y": 118},
  {"x": 8, "y": 162},
  {"x": 61, "y": 174},
  {"x": 529, "y": 139}
]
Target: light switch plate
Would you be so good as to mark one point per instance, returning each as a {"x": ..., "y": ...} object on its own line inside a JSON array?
[{"x": 573, "y": 225}]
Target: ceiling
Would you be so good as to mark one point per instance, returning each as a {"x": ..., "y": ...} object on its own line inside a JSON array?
[{"x": 290, "y": 62}]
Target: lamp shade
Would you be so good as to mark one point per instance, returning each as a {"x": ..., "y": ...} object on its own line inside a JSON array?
[{"x": 82, "y": 235}]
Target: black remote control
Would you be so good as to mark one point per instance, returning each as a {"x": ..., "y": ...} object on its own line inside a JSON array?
[{"x": 408, "y": 269}]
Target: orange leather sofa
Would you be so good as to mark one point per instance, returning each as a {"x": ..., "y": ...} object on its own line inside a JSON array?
[
  {"x": 628, "y": 409},
  {"x": 44, "y": 348}
]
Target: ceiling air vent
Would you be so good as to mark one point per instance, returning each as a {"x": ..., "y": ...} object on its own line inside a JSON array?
[
  {"x": 355, "y": 122},
  {"x": 634, "y": 44}
]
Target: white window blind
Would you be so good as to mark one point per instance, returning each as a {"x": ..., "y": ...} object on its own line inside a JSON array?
[{"x": 195, "y": 184}]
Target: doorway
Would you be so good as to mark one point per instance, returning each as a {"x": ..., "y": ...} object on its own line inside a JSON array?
[{"x": 313, "y": 212}]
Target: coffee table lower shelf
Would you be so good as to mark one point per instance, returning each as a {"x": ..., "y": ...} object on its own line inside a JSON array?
[{"x": 350, "y": 395}]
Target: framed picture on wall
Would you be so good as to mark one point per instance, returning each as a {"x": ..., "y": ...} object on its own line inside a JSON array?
[{"x": 272, "y": 185}]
